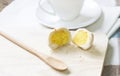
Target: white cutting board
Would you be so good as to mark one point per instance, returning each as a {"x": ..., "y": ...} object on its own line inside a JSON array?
[{"x": 15, "y": 61}]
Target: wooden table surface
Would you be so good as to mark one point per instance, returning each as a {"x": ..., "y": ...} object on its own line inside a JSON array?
[{"x": 109, "y": 70}]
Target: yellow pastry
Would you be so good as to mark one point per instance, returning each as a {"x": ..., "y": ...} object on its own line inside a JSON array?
[
  {"x": 59, "y": 37},
  {"x": 83, "y": 38}
]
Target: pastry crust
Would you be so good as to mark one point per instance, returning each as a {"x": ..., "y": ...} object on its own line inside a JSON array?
[
  {"x": 59, "y": 37},
  {"x": 89, "y": 41}
]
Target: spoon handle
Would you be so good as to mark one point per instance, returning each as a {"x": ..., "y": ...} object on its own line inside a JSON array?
[{"x": 52, "y": 62}]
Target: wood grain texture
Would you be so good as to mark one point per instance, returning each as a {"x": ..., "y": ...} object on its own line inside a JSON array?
[
  {"x": 79, "y": 62},
  {"x": 52, "y": 62}
]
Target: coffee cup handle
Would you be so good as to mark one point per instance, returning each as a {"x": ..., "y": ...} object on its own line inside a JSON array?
[{"x": 45, "y": 10}]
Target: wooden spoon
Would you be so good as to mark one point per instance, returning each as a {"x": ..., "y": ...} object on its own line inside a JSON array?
[{"x": 52, "y": 62}]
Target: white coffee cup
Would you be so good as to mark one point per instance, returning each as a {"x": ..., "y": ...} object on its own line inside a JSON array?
[{"x": 66, "y": 9}]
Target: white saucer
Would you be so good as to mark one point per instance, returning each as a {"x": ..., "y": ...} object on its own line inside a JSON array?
[{"x": 89, "y": 14}]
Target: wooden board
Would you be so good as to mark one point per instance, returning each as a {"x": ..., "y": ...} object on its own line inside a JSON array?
[{"x": 15, "y": 61}]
